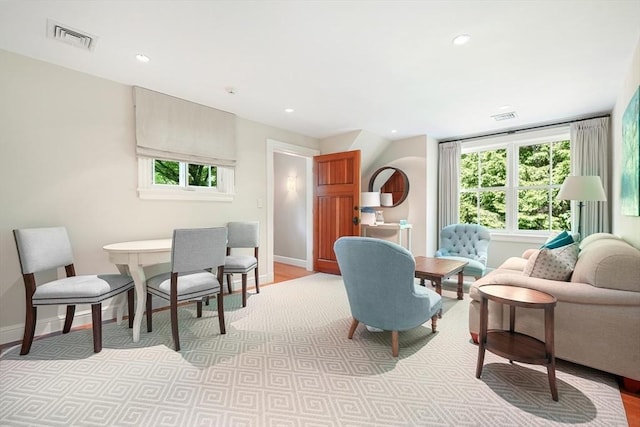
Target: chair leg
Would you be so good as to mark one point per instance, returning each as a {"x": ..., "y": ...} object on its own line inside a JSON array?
[
  {"x": 68, "y": 321},
  {"x": 96, "y": 317},
  {"x": 244, "y": 290},
  {"x": 394, "y": 343},
  {"x": 131, "y": 306},
  {"x": 257, "y": 284},
  {"x": 199, "y": 308},
  {"x": 223, "y": 329},
  {"x": 29, "y": 329},
  {"x": 434, "y": 322},
  {"x": 149, "y": 310},
  {"x": 352, "y": 329},
  {"x": 229, "y": 283},
  {"x": 174, "y": 321}
]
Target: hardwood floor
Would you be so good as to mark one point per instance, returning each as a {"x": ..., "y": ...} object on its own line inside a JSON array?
[
  {"x": 631, "y": 401},
  {"x": 283, "y": 272}
]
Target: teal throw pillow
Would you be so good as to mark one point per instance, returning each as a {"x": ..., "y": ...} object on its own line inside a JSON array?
[{"x": 562, "y": 239}]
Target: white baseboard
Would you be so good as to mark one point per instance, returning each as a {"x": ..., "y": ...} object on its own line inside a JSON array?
[{"x": 291, "y": 261}]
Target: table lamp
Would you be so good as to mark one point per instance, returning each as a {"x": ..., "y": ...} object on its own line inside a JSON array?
[
  {"x": 582, "y": 188},
  {"x": 369, "y": 200}
]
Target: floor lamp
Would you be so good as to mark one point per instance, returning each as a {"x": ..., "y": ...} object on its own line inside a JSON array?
[{"x": 581, "y": 189}]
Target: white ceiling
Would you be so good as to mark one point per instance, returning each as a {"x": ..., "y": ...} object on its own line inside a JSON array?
[{"x": 350, "y": 65}]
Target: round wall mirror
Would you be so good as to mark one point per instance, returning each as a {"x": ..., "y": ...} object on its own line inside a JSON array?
[{"x": 392, "y": 184}]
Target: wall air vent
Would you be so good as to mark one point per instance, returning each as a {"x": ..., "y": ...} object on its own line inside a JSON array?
[
  {"x": 504, "y": 116},
  {"x": 70, "y": 35}
]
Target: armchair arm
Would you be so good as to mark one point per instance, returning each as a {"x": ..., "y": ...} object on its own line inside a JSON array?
[
  {"x": 527, "y": 254},
  {"x": 441, "y": 252}
]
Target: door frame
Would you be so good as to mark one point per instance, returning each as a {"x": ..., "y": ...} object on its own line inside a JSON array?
[{"x": 274, "y": 146}]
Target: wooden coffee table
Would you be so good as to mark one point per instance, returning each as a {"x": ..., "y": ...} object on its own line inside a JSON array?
[
  {"x": 514, "y": 345},
  {"x": 437, "y": 269}
]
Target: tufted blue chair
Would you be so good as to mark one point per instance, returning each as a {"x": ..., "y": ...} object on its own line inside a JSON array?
[
  {"x": 379, "y": 279},
  {"x": 466, "y": 242}
]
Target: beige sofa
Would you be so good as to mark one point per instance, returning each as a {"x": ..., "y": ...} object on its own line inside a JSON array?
[{"x": 597, "y": 317}]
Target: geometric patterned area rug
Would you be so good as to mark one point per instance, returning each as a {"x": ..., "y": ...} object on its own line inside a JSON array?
[{"x": 286, "y": 361}]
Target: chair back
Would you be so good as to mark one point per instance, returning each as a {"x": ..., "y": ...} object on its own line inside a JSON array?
[
  {"x": 466, "y": 240},
  {"x": 195, "y": 249},
  {"x": 43, "y": 248},
  {"x": 379, "y": 280},
  {"x": 243, "y": 234}
]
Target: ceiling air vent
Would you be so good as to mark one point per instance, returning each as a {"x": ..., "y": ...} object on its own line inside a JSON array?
[
  {"x": 504, "y": 116},
  {"x": 70, "y": 35}
]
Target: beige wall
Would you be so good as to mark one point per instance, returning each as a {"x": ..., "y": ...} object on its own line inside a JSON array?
[
  {"x": 67, "y": 158},
  {"x": 290, "y": 210},
  {"x": 625, "y": 226},
  {"x": 410, "y": 156}
]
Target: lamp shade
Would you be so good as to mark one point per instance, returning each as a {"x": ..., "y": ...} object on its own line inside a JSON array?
[
  {"x": 386, "y": 199},
  {"x": 370, "y": 199},
  {"x": 582, "y": 188}
]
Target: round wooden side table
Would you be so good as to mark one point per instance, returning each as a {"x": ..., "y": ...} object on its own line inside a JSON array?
[{"x": 514, "y": 345}]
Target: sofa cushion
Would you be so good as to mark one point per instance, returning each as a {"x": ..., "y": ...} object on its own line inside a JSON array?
[
  {"x": 515, "y": 263},
  {"x": 608, "y": 263},
  {"x": 596, "y": 237},
  {"x": 553, "y": 264}
]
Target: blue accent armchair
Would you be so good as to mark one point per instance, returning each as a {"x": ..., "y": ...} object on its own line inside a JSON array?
[
  {"x": 379, "y": 280},
  {"x": 466, "y": 242}
]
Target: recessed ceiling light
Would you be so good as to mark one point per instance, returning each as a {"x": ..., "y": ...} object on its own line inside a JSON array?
[
  {"x": 393, "y": 131},
  {"x": 506, "y": 107},
  {"x": 142, "y": 58},
  {"x": 461, "y": 39},
  {"x": 288, "y": 110}
]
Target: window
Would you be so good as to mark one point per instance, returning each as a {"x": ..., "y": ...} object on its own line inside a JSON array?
[
  {"x": 175, "y": 180},
  {"x": 513, "y": 186},
  {"x": 171, "y": 173}
]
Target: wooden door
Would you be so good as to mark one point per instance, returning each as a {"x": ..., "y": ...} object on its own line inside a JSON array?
[{"x": 336, "y": 205}]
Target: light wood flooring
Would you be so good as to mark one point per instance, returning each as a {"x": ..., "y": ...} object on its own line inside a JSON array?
[{"x": 283, "y": 272}]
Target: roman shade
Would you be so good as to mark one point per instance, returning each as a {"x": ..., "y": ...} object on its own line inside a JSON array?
[{"x": 170, "y": 128}]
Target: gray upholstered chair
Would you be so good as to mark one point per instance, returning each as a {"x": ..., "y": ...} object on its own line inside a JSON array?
[
  {"x": 196, "y": 254},
  {"x": 242, "y": 234},
  {"x": 466, "y": 242},
  {"x": 379, "y": 279},
  {"x": 47, "y": 248}
]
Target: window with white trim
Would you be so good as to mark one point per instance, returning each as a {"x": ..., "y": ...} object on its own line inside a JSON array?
[
  {"x": 176, "y": 180},
  {"x": 512, "y": 186}
]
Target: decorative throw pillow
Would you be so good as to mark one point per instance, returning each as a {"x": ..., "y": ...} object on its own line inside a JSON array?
[
  {"x": 553, "y": 264},
  {"x": 560, "y": 240}
]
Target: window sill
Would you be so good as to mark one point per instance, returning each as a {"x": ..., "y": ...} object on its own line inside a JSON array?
[
  {"x": 162, "y": 194},
  {"x": 501, "y": 236}
]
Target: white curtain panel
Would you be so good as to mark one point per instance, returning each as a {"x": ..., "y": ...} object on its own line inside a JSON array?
[
  {"x": 226, "y": 180},
  {"x": 448, "y": 185},
  {"x": 589, "y": 156}
]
